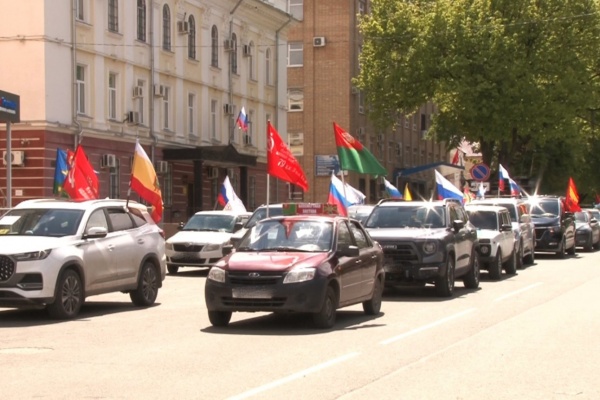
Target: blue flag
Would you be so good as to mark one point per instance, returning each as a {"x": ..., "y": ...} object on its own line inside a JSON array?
[{"x": 60, "y": 173}]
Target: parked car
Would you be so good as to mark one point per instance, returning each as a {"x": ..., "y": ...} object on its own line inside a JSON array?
[
  {"x": 554, "y": 226},
  {"x": 360, "y": 212},
  {"x": 522, "y": 224},
  {"x": 262, "y": 212},
  {"x": 199, "y": 243},
  {"x": 497, "y": 244},
  {"x": 56, "y": 253},
  {"x": 426, "y": 242},
  {"x": 301, "y": 263},
  {"x": 587, "y": 233}
]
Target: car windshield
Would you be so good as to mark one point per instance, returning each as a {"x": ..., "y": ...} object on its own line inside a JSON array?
[
  {"x": 360, "y": 213},
  {"x": 511, "y": 210},
  {"x": 544, "y": 209},
  {"x": 40, "y": 222},
  {"x": 211, "y": 222},
  {"x": 581, "y": 216},
  {"x": 484, "y": 219},
  {"x": 261, "y": 213},
  {"x": 288, "y": 235},
  {"x": 407, "y": 216}
]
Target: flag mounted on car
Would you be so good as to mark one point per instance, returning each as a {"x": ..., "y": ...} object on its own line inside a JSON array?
[
  {"x": 228, "y": 199},
  {"x": 63, "y": 159},
  {"x": 145, "y": 182},
  {"x": 572, "y": 197},
  {"x": 281, "y": 163},
  {"x": 343, "y": 195},
  {"x": 391, "y": 190},
  {"x": 447, "y": 190},
  {"x": 81, "y": 182}
]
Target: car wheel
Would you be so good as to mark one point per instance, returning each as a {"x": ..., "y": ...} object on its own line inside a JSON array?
[
  {"x": 561, "y": 252},
  {"x": 530, "y": 258},
  {"x": 325, "y": 317},
  {"x": 521, "y": 256},
  {"x": 572, "y": 250},
  {"x": 147, "y": 289},
  {"x": 172, "y": 269},
  {"x": 495, "y": 269},
  {"x": 511, "y": 264},
  {"x": 373, "y": 306},
  {"x": 471, "y": 279},
  {"x": 219, "y": 318},
  {"x": 444, "y": 285},
  {"x": 68, "y": 296},
  {"x": 589, "y": 244}
]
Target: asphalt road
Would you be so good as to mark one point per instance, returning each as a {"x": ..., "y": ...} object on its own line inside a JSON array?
[{"x": 534, "y": 335}]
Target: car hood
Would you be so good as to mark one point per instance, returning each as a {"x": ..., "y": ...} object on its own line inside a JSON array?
[
  {"x": 12, "y": 244},
  {"x": 545, "y": 221},
  {"x": 200, "y": 237},
  {"x": 582, "y": 225},
  {"x": 408, "y": 233},
  {"x": 488, "y": 234},
  {"x": 270, "y": 261}
]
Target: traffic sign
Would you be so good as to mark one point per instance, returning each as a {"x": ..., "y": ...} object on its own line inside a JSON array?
[{"x": 480, "y": 172}]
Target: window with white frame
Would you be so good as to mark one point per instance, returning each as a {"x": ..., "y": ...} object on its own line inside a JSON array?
[
  {"x": 113, "y": 181},
  {"x": 249, "y": 133},
  {"x": 80, "y": 78},
  {"x": 140, "y": 100},
  {"x": 79, "y": 10},
  {"x": 234, "y": 54},
  {"x": 113, "y": 15},
  {"x": 296, "y": 8},
  {"x": 295, "y": 100},
  {"x": 214, "y": 47},
  {"x": 251, "y": 61},
  {"x": 192, "y": 38},
  {"x": 295, "y": 54},
  {"x": 391, "y": 152},
  {"x": 112, "y": 95},
  {"x": 361, "y": 102},
  {"x": 268, "y": 67},
  {"x": 362, "y": 7},
  {"x": 141, "y": 20},
  {"x": 166, "y": 26},
  {"x": 167, "y": 108},
  {"x": 214, "y": 107},
  {"x": 167, "y": 187},
  {"x": 191, "y": 113}
]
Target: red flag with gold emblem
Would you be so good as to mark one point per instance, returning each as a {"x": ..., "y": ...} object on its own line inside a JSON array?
[{"x": 572, "y": 198}]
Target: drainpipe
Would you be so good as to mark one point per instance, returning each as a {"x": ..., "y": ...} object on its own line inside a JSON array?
[
  {"x": 151, "y": 88},
  {"x": 231, "y": 125},
  {"x": 77, "y": 137}
]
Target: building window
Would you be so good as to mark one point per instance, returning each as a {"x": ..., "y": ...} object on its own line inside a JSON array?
[
  {"x": 391, "y": 152},
  {"x": 295, "y": 100},
  {"x": 140, "y": 100},
  {"x": 167, "y": 187},
  {"x": 295, "y": 54},
  {"x": 362, "y": 7},
  {"x": 252, "y": 192},
  {"x": 113, "y": 15},
  {"x": 112, "y": 96},
  {"x": 141, "y": 20},
  {"x": 80, "y": 78},
  {"x": 234, "y": 54},
  {"x": 249, "y": 134},
  {"x": 213, "y": 119},
  {"x": 361, "y": 102},
  {"x": 113, "y": 181},
  {"x": 79, "y": 10},
  {"x": 192, "y": 38},
  {"x": 295, "y": 7},
  {"x": 214, "y": 47},
  {"x": 166, "y": 25},
  {"x": 251, "y": 59},
  {"x": 191, "y": 113},
  {"x": 268, "y": 66},
  {"x": 167, "y": 108}
]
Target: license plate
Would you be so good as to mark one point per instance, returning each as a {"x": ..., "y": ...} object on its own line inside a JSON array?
[{"x": 251, "y": 293}]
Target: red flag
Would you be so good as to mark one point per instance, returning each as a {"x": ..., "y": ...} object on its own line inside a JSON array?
[
  {"x": 572, "y": 198},
  {"x": 81, "y": 182},
  {"x": 144, "y": 181},
  {"x": 456, "y": 157},
  {"x": 280, "y": 161}
]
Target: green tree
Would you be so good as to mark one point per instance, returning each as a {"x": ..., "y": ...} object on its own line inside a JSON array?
[{"x": 518, "y": 77}]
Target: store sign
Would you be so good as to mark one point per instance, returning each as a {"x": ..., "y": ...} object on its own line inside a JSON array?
[{"x": 9, "y": 107}]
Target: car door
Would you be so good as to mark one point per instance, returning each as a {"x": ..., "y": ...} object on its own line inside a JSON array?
[
  {"x": 368, "y": 258},
  {"x": 507, "y": 242},
  {"x": 465, "y": 238},
  {"x": 124, "y": 245},
  {"x": 527, "y": 227},
  {"x": 350, "y": 268}
]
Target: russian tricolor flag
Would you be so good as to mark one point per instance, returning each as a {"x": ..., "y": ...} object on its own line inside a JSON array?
[
  {"x": 502, "y": 175},
  {"x": 242, "y": 120},
  {"x": 445, "y": 188},
  {"x": 392, "y": 190},
  {"x": 228, "y": 199},
  {"x": 336, "y": 196}
]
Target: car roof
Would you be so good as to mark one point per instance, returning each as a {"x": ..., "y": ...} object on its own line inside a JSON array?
[
  {"x": 77, "y": 204},
  {"x": 405, "y": 203},
  {"x": 224, "y": 212},
  {"x": 485, "y": 207},
  {"x": 305, "y": 217},
  {"x": 498, "y": 200}
]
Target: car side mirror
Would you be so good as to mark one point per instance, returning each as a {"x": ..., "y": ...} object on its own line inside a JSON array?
[
  {"x": 227, "y": 249},
  {"x": 95, "y": 232},
  {"x": 506, "y": 228},
  {"x": 237, "y": 226},
  {"x": 180, "y": 226},
  {"x": 345, "y": 250},
  {"x": 457, "y": 225}
]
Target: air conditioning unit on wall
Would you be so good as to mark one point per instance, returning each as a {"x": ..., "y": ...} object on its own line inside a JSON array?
[
  {"x": 108, "y": 161},
  {"x": 319, "y": 41},
  {"x": 183, "y": 26},
  {"x": 162, "y": 167},
  {"x": 213, "y": 172},
  {"x": 229, "y": 109},
  {"x": 17, "y": 158}
]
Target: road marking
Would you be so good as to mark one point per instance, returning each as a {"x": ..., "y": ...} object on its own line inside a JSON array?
[
  {"x": 507, "y": 295},
  {"x": 428, "y": 326},
  {"x": 297, "y": 375}
]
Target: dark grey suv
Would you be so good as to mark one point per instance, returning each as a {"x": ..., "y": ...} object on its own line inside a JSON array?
[{"x": 426, "y": 242}]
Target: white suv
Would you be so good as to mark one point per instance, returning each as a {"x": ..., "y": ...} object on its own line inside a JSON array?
[
  {"x": 497, "y": 243},
  {"x": 200, "y": 241},
  {"x": 58, "y": 252}
]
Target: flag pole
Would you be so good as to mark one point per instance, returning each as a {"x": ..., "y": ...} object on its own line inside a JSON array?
[{"x": 268, "y": 192}]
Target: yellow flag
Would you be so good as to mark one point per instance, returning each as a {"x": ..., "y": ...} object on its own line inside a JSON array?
[{"x": 407, "y": 195}]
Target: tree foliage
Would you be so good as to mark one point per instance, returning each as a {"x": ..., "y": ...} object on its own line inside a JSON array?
[{"x": 518, "y": 77}]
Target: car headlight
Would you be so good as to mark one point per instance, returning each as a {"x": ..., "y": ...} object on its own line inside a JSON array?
[
  {"x": 32, "y": 255},
  {"x": 429, "y": 248},
  {"x": 169, "y": 246},
  {"x": 300, "y": 275},
  {"x": 554, "y": 229},
  {"x": 212, "y": 247},
  {"x": 216, "y": 274}
]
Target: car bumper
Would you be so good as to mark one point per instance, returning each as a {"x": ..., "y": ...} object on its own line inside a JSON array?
[
  {"x": 292, "y": 297},
  {"x": 193, "y": 259},
  {"x": 583, "y": 239},
  {"x": 413, "y": 272},
  {"x": 547, "y": 241}
]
